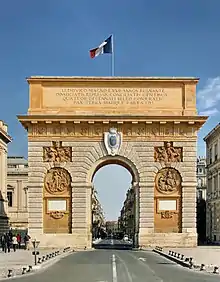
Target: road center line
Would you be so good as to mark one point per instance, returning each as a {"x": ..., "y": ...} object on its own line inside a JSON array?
[{"x": 114, "y": 269}]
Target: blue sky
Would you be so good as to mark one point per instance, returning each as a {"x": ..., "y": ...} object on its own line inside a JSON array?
[{"x": 152, "y": 38}]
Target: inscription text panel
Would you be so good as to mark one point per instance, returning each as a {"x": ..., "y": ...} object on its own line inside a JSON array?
[{"x": 58, "y": 97}]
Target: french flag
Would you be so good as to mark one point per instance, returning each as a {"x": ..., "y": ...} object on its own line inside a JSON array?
[{"x": 105, "y": 47}]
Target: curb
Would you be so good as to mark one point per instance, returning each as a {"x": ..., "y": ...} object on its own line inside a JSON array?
[
  {"x": 44, "y": 262},
  {"x": 186, "y": 262},
  {"x": 182, "y": 262}
]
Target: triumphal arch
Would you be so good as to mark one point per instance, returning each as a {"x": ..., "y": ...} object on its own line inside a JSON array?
[{"x": 76, "y": 125}]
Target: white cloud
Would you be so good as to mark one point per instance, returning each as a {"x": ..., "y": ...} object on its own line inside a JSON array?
[
  {"x": 210, "y": 112},
  {"x": 209, "y": 97}
]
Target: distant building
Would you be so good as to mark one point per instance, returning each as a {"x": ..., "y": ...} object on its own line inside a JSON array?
[
  {"x": 213, "y": 184},
  {"x": 201, "y": 178},
  {"x": 126, "y": 220},
  {"x": 111, "y": 226},
  {"x": 201, "y": 199},
  {"x": 17, "y": 192},
  {"x": 98, "y": 219},
  {"x": 4, "y": 140}
]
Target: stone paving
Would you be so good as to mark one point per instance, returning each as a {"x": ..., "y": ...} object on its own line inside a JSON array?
[
  {"x": 208, "y": 255},
  {"x": 17, "y": 260}
]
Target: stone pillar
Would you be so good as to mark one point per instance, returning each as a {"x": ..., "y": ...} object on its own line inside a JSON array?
[
  {"x": 146, "y": 211},
  {"x": 19, "y": 194},
  {"x": 189, "y": 212},
  {"x": 3, "y": 186},
  {"x": 81, "y": 203},
  {"x": 137, "y": 215}
]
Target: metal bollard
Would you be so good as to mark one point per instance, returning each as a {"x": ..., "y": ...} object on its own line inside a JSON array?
[
  {"x": 175, "y": 254},
  {"x": 23, "y": 270},
  {"x": 182, "y": 257},
  {"x": 47, "y": 257},
  {"x": 39, "y": 260},
  {"x": 169, "y": 253},
  {"x": 9, "y": 273},
  {"x": 29, "y": 268},
  {"x": 178, "y": 256},
  {"x": 43, "y": 258},
  {"x": 191, "y": 262},
  {"x": 216, "y": 271},
  {"x": 202, "y": 267}
]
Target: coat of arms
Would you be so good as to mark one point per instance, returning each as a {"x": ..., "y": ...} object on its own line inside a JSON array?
[{"x": 112, "y": 140}]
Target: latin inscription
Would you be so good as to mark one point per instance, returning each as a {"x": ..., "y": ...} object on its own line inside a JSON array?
[{"x": 111, "y": 96}]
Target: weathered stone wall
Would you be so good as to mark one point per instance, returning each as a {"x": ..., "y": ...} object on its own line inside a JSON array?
[{"x": 85, "y": 158}]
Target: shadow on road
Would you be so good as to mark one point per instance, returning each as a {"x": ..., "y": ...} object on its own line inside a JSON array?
[{"x": 112, "y": 247}]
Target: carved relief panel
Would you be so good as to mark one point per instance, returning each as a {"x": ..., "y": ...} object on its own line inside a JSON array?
[
  {"x": 57, "y": 153},
  {"x": 57, "y": 201},
  {"x": 167, "y": 201},
  {"x": 168, "y": 153}
]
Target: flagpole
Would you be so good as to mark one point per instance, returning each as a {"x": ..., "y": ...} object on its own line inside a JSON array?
[{"x": 113, "y": 58}]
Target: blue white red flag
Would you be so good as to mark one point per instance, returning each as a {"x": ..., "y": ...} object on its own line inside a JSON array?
[{"x": 105, "y": 47}]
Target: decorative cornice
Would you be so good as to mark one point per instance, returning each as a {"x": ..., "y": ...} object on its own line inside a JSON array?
[{"x": 100, "y": 79}]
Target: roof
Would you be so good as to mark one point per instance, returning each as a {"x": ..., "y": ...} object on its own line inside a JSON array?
[
  {"x": 17, "y": 160},
  {"x": 109, "y": 78},
  {"x": 4, "y": 136},
  {"x": 215, "y": 129}
]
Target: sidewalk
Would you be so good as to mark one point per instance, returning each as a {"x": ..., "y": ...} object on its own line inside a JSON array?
[
  {"x": 17, "y": 260},
  {"x": 207, "y": 255}
]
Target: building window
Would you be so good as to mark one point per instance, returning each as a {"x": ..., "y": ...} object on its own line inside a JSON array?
[
  {"x": 216, "y": 151},
  {"x": 199, "y": 194},
  {"x": 12, "y": 166},
  {"x": 10, "y": 198},
  {"x": 210, "y": 155},
  {"x": 200, "y": 170},
  {"x": 215, "y": 182}
]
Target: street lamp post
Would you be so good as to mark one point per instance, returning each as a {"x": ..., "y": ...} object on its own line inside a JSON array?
[{"x": 35, "y": 253}]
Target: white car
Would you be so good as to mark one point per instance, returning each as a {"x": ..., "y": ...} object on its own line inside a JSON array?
[{"x": 126, "y": 238}]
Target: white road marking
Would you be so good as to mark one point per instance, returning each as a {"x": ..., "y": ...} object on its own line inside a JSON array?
[
  {"x": 114, "y": 269},
  {"x": 146, "y": 265},
  {"x": 142, "y": 259},
  {"x": 126, "y": 268}
]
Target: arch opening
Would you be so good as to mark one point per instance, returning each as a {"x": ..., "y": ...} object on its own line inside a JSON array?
[{"x": 114, "y": 201}]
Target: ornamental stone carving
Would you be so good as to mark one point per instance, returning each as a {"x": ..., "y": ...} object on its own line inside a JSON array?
[
  {"x": 57, "y": 153},
  {"x": 168, "y": 180},
  {"x": 57, "y": 181},
  {"x": 57, "y": 214},
  {"x": 166, "y": 215},
  {"x": 168, "y": 153}
]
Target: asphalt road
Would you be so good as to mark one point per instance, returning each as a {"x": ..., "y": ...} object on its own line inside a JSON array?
[{"x": 117, "y": 266}]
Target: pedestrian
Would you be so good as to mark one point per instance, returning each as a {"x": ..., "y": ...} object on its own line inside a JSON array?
[
  {"x": 26, "y": 241},
  {"x": 8, "y": 243},
  {"x": 19, "y": 240},
  {"x": 3, "y": 243},
  {"x": 14, "y": 242}
]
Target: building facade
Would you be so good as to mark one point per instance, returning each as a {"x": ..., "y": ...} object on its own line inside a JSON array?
[
  {"x": 213, "y": 184},
  {"x": 111, "y": 226},
  {"x": 76, "y": 125},
  {"x": 127, "y": 216},
  {"x": 98, "y": 218},
  {"x": 5, "y": 139},
  {"x": 17, "y": 192},
  {"x": 201, "y": 175}
]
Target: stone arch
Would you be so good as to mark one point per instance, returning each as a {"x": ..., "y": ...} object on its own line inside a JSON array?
[
  {"x": 168, "y": 201},
  {"x": 120, "y": 160},
  {"x": 57, "y": 201},
  {"x": 132, "y": 168}
]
